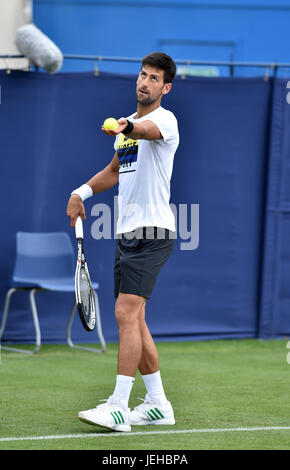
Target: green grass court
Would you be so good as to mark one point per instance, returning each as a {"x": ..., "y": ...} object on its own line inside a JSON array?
[{"x": 211, "y": 385}]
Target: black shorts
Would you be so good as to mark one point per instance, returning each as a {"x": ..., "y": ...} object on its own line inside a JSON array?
[{"x": 139, "y": 260}]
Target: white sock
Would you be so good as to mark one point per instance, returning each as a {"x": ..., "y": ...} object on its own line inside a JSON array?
[
  {"x": 154, "y": 387},
  {"x": 123, "y": 389}
]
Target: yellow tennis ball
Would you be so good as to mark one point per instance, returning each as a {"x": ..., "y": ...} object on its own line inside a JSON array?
[{"x": 111, "y": 123}]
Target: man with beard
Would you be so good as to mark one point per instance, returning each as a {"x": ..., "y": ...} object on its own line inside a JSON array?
[{"x": 145, "y": 144}]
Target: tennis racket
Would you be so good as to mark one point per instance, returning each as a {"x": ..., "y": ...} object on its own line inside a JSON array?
[{"x": 85, "y": 298}]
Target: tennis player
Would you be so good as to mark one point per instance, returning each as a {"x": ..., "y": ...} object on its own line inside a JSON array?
[{"x": 145, "y": 144}]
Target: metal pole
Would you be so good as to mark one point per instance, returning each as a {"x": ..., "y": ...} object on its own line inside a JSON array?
[{"x": 231, "y": 64}]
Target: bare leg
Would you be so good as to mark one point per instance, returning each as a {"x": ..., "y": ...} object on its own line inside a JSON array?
[
  {"x": 127, "y": 312},
  {"x": 149, "y": 362}
]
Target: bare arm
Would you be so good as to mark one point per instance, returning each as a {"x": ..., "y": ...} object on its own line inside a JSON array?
[
  {"x": 146, "y": 130},
  {"x": 105, "y": 179}
]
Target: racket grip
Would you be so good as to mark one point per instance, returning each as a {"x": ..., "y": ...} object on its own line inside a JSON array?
[{"x": 79, "y": 228}]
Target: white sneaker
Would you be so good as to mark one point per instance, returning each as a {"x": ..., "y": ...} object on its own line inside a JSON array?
[
  {"x": 108, "y": 415},
  {"x": 150, "y": 412}
]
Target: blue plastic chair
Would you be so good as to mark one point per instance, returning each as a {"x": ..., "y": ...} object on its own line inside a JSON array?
[{"x": 46, "y": 262}]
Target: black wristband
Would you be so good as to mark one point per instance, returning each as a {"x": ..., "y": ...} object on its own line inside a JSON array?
[{"x": 129, "y": 128}]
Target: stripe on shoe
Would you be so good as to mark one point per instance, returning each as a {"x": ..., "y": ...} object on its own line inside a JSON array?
[
  {"x": 118, "y": 417},
  {"x": 121, "y": 416},
  {"x": 159, "y": 412},
  {"x": 154, "y": 413},
  {"x": 116, "y": 421}
]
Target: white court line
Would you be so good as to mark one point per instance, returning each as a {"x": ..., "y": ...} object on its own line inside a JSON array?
[{"x": 120, "y": 434}]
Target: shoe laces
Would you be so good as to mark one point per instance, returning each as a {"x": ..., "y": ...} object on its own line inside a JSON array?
[
  {"x": 146, "y": 402},
  {"x": 146, "y": 399},
  {"x": 111, "y": 402},
  {"x": 106, "y": 401}
]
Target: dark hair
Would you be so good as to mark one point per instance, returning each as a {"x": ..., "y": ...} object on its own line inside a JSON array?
[{"x": 162, "y": 61}]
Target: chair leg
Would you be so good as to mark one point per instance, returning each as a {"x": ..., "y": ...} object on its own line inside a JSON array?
[
  {"x": 69, "y": 325},
  {"x": 35, "y": 319},
  {"x": 99, "y": 323},
  {"x": 37, "y": 327},
  {"x": 99, "y": 330},
  {"x": 6, "y": 309}
]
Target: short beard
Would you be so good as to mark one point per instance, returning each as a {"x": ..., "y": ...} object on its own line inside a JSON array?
[{"x": 146, "y": 101}]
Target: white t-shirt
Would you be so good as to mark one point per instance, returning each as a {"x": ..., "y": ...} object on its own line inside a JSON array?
[{"x": 145, "y": 168}]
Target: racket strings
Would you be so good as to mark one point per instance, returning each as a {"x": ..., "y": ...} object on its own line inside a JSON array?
[{"x": 85, "y": 292}]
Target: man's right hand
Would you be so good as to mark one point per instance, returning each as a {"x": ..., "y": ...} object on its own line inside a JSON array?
[{"x": 75, "y": 208}]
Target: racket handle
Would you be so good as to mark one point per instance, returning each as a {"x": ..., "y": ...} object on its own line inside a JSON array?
[{"x": 79, "y": 228}]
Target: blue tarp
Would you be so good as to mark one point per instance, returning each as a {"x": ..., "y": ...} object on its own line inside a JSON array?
[
  {"x": 275, "y": 296},
  {"x": 230, "y": 133}
]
